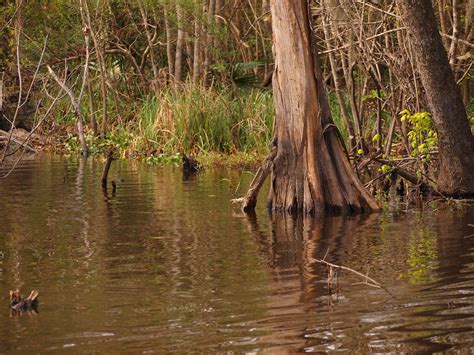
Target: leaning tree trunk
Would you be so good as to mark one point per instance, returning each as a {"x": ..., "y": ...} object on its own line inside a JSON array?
[
  {"x": 311, "y": 171},
  {"x": 456, "y": 144}
]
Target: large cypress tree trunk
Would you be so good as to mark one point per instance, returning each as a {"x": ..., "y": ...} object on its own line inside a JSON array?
[
  {"x": 311, "y": 172},
  {"x": 456, "y": 144}
]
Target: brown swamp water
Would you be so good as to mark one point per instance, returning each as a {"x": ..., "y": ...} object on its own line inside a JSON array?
[{"x": 167, "y": 265}]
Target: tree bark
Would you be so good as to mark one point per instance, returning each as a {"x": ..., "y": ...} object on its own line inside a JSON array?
[
  {"x": 155, "y": 83},
  {"x": 178, "y": 69},
  {"x": 454, "y": 42},
  {"x": 169, "y": 46},
  {"x": 197, "y": 65},
  {"x": 93, "y": 119},
  {"x": 311, "y": 171},
  {"x": 207, "y": 53},
  {"x": 456, "y": 143},
  {"x": 100, "y": 49}
]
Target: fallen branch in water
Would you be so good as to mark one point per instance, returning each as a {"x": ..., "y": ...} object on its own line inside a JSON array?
[
  {"x": 249, "y": 201},
  {"x": 368, "y": 280},
  {"x": 414, "y": 179}
]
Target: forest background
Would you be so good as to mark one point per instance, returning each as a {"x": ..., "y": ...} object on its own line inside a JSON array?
[{"x": 156, "y": 79}]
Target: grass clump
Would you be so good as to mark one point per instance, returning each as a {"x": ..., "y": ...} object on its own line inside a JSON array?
[
  {"x": 203, "y": 121},
  {"x": 212, "y": 124}
]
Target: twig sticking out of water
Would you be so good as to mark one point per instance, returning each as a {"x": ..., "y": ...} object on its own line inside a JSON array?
[
  {"x": 366, "y": 279},
  {"x": 105, "y": 173}
]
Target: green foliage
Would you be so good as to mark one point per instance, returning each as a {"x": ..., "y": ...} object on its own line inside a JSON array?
[
  {"x": 7, "y": 9},
  {"x": 71, "y": 144},
  {"x": 386, "y": 169},
  {"x": 373, "y": 94},
  {"x": 336, "y": 115},
  {"x": 422, "y": 136},
  {"x": 241, "y": 75},
  {"x": 59, "y": 19},
  {"x": 383, "y": 198},
  {"x": 119, "y": 140},
  {"x": 470, "y": 107},
  {"x": 376, "y": 138},
  {"x": 164, "y": 159}
]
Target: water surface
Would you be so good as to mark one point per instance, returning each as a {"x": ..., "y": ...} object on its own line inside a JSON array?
[{"x": 169, "y": 265}]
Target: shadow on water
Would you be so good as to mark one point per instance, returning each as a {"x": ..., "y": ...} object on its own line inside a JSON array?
[{"x": 166, "y": 264}]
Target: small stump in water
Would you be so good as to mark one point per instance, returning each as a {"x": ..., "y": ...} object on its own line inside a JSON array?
[
  {"x": 190, "y": 166},
  {"x": 20, "y": 305}
]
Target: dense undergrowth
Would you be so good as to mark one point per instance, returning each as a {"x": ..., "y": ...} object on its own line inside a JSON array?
[
  {"x": 224, "y": 126},
  {"x": 219, "y": 126}
]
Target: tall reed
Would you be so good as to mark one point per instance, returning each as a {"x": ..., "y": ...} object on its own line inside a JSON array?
[{"x": 198, "y": 119}]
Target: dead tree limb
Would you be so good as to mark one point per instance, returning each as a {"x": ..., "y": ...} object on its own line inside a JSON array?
[
  {"x": 77, "y": 111},
  {"x": 407, "y": 175},
  {"x": 249, "y": 201},
  {"x": 105, "y": 173},
  {"x": 4, "y": 136},
  {"x": 367, "y": 280}
]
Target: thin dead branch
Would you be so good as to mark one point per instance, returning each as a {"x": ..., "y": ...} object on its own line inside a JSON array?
[
  {"x": 77, "y": 110},
  {"x": 249, "y": 201},
  {"x": 366, "y": 279}
]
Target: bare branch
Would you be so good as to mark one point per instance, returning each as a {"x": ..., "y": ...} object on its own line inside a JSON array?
[{"x": 76, "y": 107}]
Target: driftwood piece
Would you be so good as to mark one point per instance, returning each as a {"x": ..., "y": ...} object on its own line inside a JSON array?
[{"x": 249, "y": 201}]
